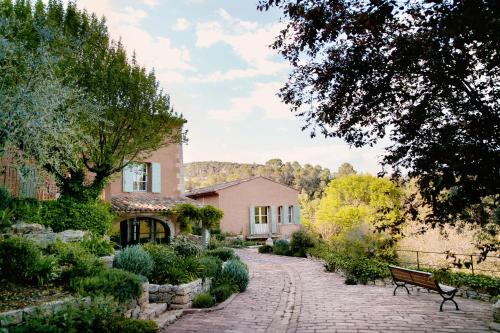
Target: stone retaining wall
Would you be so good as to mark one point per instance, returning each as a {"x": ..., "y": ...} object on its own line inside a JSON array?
[
  {"x": 14, "y": 317},
  {"x": 43, "y": 236},
  {"x": 178, "y": 296},
  {"x": 138, "y": 306}
]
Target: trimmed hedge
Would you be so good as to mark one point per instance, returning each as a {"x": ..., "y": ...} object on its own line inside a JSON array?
[{"x": 65, "y": 214}]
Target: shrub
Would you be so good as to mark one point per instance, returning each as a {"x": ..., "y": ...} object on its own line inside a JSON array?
[
  {"x": 185, "y": 247},
  {"x": 299, "y": 244},
  {"x": 236, "y": 272},
  {"x": 98, "y": 245},
  {"x": 134, "y": 259},
  {"x": 164, "y": 258},
  {"x": 66, "y": 214},
  {"x": 169, "y": 267},
  {"x": 223, "y": 253},
  {"x": 265, "y": 249},
  {"x": 22, "y": 261},
  {"x": 130, "y": 325},
  {"x": 479, "y": 282},
  {"x": 203, "y": 300},
  {"x": 80, "y": 316},
  {"x": 123, "y": 286},
  {"x": 281, "y": 247},
  {"x": 210, "y": 266},
  {"x": 5, "y": 198},
  {"x": 355, "y": 267},
  {"x": 222, "y": 291},
  {"x": 100, "y": 315},
  {"x": 75, "y": 260}
]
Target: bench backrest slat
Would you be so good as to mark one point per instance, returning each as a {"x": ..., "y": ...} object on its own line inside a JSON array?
[{"x": 418, "y": 278}]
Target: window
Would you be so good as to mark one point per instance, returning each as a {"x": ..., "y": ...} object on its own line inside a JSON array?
[
  {"x": 140, "y": 177},
  {"x": 261, "y": 214},
  {"x": 280, "y": 214},
  {"x": 290, "y": 214}
]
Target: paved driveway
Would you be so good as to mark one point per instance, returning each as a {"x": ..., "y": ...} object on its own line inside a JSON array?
[{"x": 296, "y": 295}]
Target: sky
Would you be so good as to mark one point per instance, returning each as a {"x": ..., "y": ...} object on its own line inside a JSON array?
[{"x": 212, "y": 58}]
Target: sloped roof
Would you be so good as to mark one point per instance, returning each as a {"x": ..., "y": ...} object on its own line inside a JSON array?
[
  {"x": 197, "y": 192},
  {"x": 144, "y": 203}
]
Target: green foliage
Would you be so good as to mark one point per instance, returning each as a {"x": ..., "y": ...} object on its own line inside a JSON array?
[
  {"x": 210, "y": 266},
  {"x": 223, "y": 253},
  {"x": 75, "y": 260},
  {"x": 300, "y": 242},
  {"x": 479, "y": 282},
  {"x": 203, "y": 300},
  {"x": 134, "y": 259},
  {"x": 22, "y": 261},
  {"x": 185, "y": 247},
  {"x": 281, "y": 247},
  {"x": 98, "y": 245},
  {"x": 236, "y": 272},
  {"x": 455, "y": 171},
  {"x": 122, "y": 285},
  {"x": 130, "y": 325},
  {"x": 357, "y": 202},
  {"x": 223, "y": 290},
  {"x": 169, "y": 267},
  {"x": 210, "y": 216},
  {"x": 265, "y": 249},
  {"x": 63, "y": 68},
  {"x": 307, "y": 178},
  {"x": 66, "y": 214},
  {"x": 164, "y": 260},
  {"x": 356, "y": 267},
  {"x": 100, "y": 315},
  {"x": 5, "y": 198}
]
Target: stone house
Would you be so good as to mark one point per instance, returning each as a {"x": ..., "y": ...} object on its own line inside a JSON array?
[
  {"x": 141, "y": 195},
  {"x": 255, "y": 207}
]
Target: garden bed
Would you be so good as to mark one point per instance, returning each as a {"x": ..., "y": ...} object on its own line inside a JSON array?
[{"x": 14, "y": 296}]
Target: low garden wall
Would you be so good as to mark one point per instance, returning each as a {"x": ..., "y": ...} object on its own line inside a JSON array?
[
  {"x": 178, "y": 296},
  {"x": 14, "y": 317},
  {"x": 43, "y": 236}
]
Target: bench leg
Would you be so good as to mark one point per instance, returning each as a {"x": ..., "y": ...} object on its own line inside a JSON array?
[
  {"x": 448, "y": 299},
  {"x": 399, "y": 286}
]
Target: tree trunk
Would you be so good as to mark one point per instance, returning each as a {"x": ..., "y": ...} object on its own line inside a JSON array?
[
  {"x": 205, "y": 236},
  {"x": 74, "y": 187}
]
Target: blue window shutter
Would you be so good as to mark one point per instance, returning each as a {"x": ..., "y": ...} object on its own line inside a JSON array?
[
  {"x": 128, "y": 178},
  {"x": 252, "y": 220},
  {"x": 155, "y": 178},
  {"x": 285, "y": 214},
  {"x": 274, "y": 227},
  {"x": 296, "y": 214}
]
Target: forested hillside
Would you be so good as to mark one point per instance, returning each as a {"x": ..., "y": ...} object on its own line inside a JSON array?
[{"x": 305, "y": 178}]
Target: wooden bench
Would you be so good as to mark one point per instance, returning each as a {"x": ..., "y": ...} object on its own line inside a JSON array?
[{"x": 402, "y": 276}]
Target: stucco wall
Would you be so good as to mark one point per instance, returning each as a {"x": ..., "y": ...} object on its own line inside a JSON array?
[
  {"x": 170, "y": 159},
  {"x": 235, "y": 201}
]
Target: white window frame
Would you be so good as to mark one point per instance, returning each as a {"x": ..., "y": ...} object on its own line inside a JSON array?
[
  {"x": 290, "y": 214},
  {"x": 140, "y": 177},
  {"x": 260, "y": 213}
]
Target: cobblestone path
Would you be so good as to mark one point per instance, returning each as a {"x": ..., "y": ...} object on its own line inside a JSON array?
[{"x": 296, "y": 295}]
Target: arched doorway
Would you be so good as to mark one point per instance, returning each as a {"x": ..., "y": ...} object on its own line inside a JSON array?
[{"x": 140, "y": 230}]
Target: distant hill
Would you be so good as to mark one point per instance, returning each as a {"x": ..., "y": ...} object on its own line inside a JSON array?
[{"x": 307, "y": 178}]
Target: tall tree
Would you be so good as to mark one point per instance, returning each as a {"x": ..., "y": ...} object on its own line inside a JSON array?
[
  {"x": 134, "y": 114},
  {"x": 424, "y": 73}
]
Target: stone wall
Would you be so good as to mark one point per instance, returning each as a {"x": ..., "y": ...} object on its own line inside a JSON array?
[
  {"x": 43, "y": 236},
  {"x": 178, "y": 296},
  {"x": 137, "y": 306},
  {"x": 14, "y": 317}
]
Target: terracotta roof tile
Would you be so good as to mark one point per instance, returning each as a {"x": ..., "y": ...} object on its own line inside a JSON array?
[{"x": 146, "y": 202}]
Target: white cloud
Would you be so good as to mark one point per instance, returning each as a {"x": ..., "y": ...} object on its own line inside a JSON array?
[
  {"x": 248, "y": 40},
  {"x": 151, "y": 51},
  {"x": 195, "y": 2},
  {"x": 263, "y": 97},
  {"x": 181, "y": 24},
  {"x": 151, "y": 3}
]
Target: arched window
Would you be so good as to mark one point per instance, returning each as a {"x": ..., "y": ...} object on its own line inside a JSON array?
[{"x": 140, "y": 230}]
